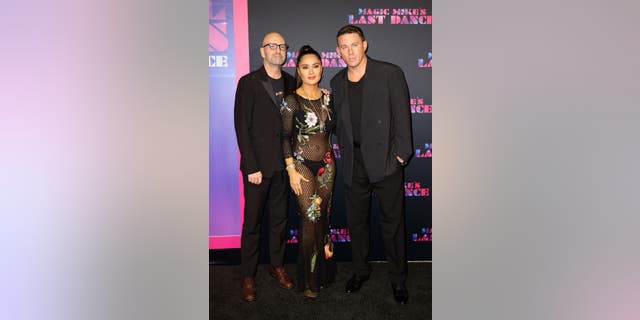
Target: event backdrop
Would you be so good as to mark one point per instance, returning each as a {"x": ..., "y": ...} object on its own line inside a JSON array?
[{"x": 397, "y": 31}]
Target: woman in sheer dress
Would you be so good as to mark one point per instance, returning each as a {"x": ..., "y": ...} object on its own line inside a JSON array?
[{"x": 307, "y": 121}]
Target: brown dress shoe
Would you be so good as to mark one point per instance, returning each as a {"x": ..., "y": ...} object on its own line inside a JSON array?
[
  {"x": 283, "y": 278},
  {"x": 309, "y": 294},
  {"x": 248, "y": 289}
]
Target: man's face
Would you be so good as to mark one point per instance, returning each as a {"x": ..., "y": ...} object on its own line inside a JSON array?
[
  {"x": 351, "y": 48},
  {"x": 275, "y": 56}
]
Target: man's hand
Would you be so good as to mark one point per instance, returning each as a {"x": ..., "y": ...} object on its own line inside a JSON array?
[
  {"x": 255, "y": 178},
  {"x": 402, "y": 163}
]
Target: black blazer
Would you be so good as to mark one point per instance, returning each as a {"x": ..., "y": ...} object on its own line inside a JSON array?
[
  {"x": 258, "y": 123},
  {"x": 385, "y": 122}
]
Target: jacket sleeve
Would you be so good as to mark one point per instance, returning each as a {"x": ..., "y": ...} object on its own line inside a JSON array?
[
  {"x": 243, "y": 116},
  {"x": 402, "y": 144},
  {"x": 287, "y": 132}
]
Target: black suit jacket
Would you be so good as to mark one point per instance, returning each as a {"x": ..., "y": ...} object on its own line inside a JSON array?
[
  {"x": 258, "y": 123},
  {"x": 385, "y": 121}
]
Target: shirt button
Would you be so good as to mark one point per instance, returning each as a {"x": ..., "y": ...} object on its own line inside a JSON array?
[{"x": 379, "y": 121}]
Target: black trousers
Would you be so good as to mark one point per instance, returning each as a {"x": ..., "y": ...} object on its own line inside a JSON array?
[
  {"x": 390, "y": 195},
  {"x": 273, "y": 192}
]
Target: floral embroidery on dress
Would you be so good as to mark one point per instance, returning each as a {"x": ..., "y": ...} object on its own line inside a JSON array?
[
  {"x": 311, "y": 119},
  {"x": 313, "y": 212},
  {"x": 312, "y": 122},
  {"x": 323, "y": 179},
  {"x": 284, "y": 106},
  {"x": 313, "y": 260},
  {"x": 298, "y": 155}
]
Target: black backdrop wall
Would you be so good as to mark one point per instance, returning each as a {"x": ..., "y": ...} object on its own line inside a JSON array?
[{"x": 398, "y": 32}]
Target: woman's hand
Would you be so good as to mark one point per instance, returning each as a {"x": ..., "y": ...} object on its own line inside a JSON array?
[{"x": 295, "y": 179}]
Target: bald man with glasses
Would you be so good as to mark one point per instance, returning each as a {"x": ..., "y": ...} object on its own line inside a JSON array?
[{"x": 258, "y": 123}]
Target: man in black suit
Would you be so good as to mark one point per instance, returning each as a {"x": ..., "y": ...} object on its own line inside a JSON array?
[
  {"x": 374, "y": 130},
  {"x": 258, "y": 124}
]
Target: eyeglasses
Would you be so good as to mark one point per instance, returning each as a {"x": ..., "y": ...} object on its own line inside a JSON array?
[{"x": 273, "y": 46}]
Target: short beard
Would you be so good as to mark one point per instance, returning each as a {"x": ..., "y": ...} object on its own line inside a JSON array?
[{"x": 275, "y": 62}]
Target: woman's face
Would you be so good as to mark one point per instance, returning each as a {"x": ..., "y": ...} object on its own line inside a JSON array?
[{"x": 310, "y": 69}]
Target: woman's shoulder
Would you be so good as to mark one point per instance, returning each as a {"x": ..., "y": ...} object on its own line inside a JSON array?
[
  {"x": 291, "y": 98},
  {"x": 290, "y": 102}
]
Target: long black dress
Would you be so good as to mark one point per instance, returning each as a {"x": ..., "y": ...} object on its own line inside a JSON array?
[{"x": 306, "y": 128}]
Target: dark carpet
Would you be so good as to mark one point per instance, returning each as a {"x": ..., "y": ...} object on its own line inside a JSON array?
[{"x": 373, "y": 301}]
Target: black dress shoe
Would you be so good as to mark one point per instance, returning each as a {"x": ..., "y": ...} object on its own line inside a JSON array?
[
  {"x": 400, "y": 293},
  {"x": 355, "y": 283}
]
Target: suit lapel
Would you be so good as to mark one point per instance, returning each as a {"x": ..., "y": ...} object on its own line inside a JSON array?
[
  {"x": 269, "y": 88},
  {"x": 272, "y": 94},
  {"x": 345, "y": 112},
  {"x": 366, "y": 90}
]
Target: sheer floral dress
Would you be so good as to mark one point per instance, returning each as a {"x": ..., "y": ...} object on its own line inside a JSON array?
[{"x": 306, "y": 128}]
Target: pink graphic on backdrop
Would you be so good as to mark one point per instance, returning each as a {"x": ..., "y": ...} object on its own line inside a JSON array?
[
  {"x": 229, "y": 31},
  {"x": 241, "y": 40},
  {"x": 415, "y": 189},
  {"x": 418, "y": 105},
  {"x": 218, "y": 31},
  {"x": 418, "y": 16}
]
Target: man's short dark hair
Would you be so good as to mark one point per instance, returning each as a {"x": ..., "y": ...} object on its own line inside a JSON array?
[{"x": 350, "y": 29}]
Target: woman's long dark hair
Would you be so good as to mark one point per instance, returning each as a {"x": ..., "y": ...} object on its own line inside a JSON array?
[{"x": 305, "y": 50}]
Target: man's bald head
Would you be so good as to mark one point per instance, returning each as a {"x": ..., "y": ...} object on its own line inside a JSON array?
[{"x": 272, "y": 37}]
